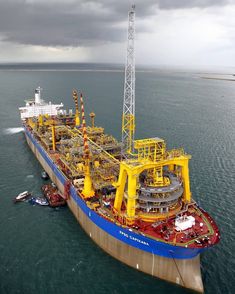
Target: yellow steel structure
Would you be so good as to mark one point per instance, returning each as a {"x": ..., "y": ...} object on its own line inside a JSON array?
[
  {"x": 77, "y": 113},
  {"x": 88, "y": 190},
  {"x": 151, "y": 157},
  {"x": 128, "y": 131},
  {"x": 92, "y": 116},
  {"x": 103, "y": 153},
  {"x": 53, "y": 136},
  {"x": 31, "y": 123},
  {"x": 152, "y": 149},
  {"x": 40, "y": 120}
]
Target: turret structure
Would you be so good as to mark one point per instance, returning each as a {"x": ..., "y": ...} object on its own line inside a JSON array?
[{"x": 153, "y": 183}]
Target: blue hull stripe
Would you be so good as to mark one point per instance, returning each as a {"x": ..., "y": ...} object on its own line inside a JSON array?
[{"x": 127, "y": 236}]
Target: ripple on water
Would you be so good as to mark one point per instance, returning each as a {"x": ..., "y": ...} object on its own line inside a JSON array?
[{"x": 29, "y": 176}]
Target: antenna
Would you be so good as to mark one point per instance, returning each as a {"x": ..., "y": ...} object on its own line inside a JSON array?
[{"x": 128, "y": 115}]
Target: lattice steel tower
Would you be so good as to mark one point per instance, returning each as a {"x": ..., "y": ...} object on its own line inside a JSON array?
[{"x": 128, "y": 115}]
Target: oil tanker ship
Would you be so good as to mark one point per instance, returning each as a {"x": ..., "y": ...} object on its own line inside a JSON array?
[{"x": 132, "y": 197}]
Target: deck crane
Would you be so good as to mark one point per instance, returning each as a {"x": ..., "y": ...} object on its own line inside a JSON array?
[{"x": 128, "y": 115}]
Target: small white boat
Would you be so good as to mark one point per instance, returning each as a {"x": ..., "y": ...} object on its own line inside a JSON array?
[
  {"x": 39, "y": 200},
  {"x": 44, "y": 175},
  {"x": 22, "y": 196}
]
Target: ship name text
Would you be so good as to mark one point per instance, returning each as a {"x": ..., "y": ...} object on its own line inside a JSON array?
[{"x": 133, "y": 238}]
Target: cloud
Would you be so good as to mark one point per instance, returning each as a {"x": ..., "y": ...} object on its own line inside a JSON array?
[
  {"x": 175, "y": 4},
  {"x": 169, "y": 32},
  {"x": 66, "y": 23},
  {"x": 76, "y": 23}
]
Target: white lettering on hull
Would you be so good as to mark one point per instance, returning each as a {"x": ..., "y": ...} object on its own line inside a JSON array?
[{"x": 133, "y": 238}]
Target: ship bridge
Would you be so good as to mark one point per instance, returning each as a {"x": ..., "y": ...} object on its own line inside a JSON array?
[{"x": 36, "y": 107}]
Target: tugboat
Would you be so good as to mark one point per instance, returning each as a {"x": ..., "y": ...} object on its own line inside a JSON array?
[
  {"x": 53, "y": 196},
  {"x": 22, "y": 197}
]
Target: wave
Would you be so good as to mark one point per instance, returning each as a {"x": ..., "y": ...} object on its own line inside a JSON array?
[{"x": 11, "y": 131}]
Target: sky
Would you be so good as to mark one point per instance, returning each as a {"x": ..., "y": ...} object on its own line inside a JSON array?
[{"x": 183, "y": 33}]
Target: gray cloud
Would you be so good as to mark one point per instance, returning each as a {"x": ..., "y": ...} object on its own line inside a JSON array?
[
  {"x": 175, "y": 4},
  {"x": 80, "y": 22}
]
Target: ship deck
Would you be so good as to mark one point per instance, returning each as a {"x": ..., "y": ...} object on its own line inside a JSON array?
[{"x": 204, "y": 233}]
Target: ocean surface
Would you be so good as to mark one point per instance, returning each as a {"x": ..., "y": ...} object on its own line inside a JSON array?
[{"x": 44, "y": 250}]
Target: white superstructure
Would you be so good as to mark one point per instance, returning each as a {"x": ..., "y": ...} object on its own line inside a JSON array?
[
  {"x": 38, "y": 95},
  {"x": 184, "y": 222},
  {"x": 37, "y": 106}
]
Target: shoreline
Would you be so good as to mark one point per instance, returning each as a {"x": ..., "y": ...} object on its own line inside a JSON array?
[{"x": 219, "y": 78}]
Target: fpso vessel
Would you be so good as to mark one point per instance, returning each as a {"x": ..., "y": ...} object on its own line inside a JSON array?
[{"x": 135, "y": 204}]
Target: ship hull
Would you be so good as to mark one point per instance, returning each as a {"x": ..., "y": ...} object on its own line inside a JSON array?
[{"x": 171, "y": 263}]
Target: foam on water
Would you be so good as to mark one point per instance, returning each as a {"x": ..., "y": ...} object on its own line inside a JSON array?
[{"x": 11, "y": 131}]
